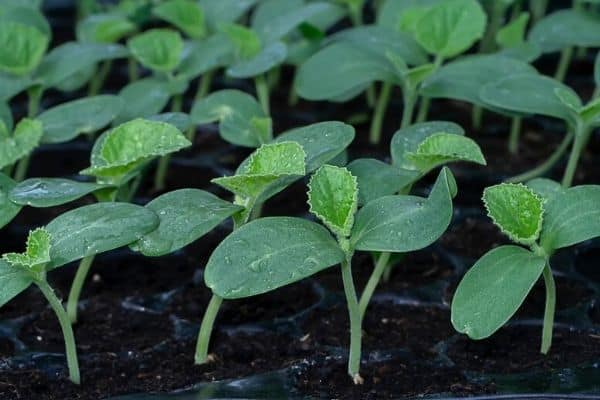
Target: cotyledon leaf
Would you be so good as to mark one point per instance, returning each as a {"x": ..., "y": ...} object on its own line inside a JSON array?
[
  {"x": 49, "y": 192},
  {"x": 8, "y": 209},
  {"x": 157, "y": 49},
  {"x": 13, "y": 280},
  {"x": 25, "y": 138},
  {"x": 269, "y": 253},
  {"x": 269, "y": 57}
]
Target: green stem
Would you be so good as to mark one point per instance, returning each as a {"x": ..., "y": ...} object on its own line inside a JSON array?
[
  {"x": 370, "y": 95},
  {"x": 549, "y": 310},
  {"x": 476, "y": 117},
  {"x": 515, "y": 133},
  {"x": 160, "y": 176},
  {"x": 132, "y": 69},
  {"x": 426, "y": 101},
  {"x": 538, "y": 9},
  {"x": 99, "y": 78},
  {"x": 292, "y": 96},
  {"x": 367, "y": 294},
  {"x": 262, "y": 92},
  {"x": 409, "y": 106},
  {"x": 204, "y": 85},
  {"x": 67, "y": 329},
  {"x": 355, "y": 321},
  {"x": 488, "y": 43},
  {"x": 33, "y": 106},
  {"x": 133, "y": 187},
  {"x": 380, "y": 109},
  {"x": 576, "y": 149},
  {"x": 563, "y": 64},
  {"x": 546, "y": 165},
  {"x": 206, "y": 328},
  {"x": 78, "y": 282}
]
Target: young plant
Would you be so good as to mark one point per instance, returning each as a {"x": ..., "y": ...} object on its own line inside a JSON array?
[
  {"x": 539, "y": 220},
  {"x": 511, "y": 40},
  {"x": 19, "y": 145}
]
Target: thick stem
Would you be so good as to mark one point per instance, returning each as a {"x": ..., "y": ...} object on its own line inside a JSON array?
[
  {"x": 546, "y": 165},
  {"x": 132, "y": 69},
  {"x": 379, "y": 115},
  {"x": 262, "y": 92},
  {"x": 76, "y": 287},
  {"x": 206, "y": 328},
  {"x": 204, "y": 85},
  {"x": 476, "y": 117},
  {"x": 33, "y": 106},
  {"x": 370, "y": 96},
  {"x": 67, "y": 329},
  {"x": 355, "y": 321},
  {"x": 367, "y": 294},
  {"x": 563, "y": 64},
  {"x": 99, "y": 77},
  {"x": 426, "y": 101},
  {"x": 576, "y": 149},
  {"x": 549, "y": 310},
  {"x": 409, "y": 106},
  {"x": 515, "y": 133}
]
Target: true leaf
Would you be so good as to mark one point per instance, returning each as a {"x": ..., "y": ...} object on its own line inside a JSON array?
[
  {"x": 68, "y": 120},
  {"x": 104, "y": 28},
  {"x": 36, "y": 253},
  {"x": 184, "y": 14},
  {"x": 157, "y": 49},
  {"x": 513, "y": 33},
  {"x": 405, "y": 223},
  {"x": 185, "y": 215},
  {"x": 50, "y": 192},
  {"x": 142, "y": 99},
  {"x": 441, "y": 148},
  {"x": 25, "y": 138},
  {"x": 12, "y": 281},
  {"x": 21, "y": 13},
  {"x": 516, "y": 210},
  {"x": 493, "y": 289},
  {"x": 8, "y": 209},
  {"x": 268, "y": 58},
  {"x": 333, "y": 198},
  {"x": 97, "y": 228},
  {"x": 566, "y": 28},
  {"x": 269, "y": 253},
  {"x": 21, "y": 47},
  {"x": 246, "y": 42}
]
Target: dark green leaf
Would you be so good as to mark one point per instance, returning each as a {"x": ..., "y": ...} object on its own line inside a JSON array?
[
  {"x": 25, "y": 138},
  {"x": 268, "y": 58},
  {"x": 221, "y": 12},
  {"x": 143, "y": 98},
  {"x": 566, "y": 28},
  {"x": 179, "y": 120},
  {"x": 200, "y": 56},
  {"x": 50, "y": 192},
  {"x": 184, "y": 14},
  {"x": 545, "y": 188},
  {"x": 8, "y": 209},
  {"x": 12, "y": 281}
]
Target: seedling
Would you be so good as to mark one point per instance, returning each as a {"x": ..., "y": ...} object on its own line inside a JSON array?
[
  {"x": 539, "y": 220},
  {"x": 19, "y": 145}
]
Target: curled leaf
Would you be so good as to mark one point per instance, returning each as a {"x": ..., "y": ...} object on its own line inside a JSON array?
[{"x": 37, "y": 252}]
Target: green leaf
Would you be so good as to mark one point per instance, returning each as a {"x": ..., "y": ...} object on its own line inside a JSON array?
[
  {"x": 218, "y": 13},
  {"x": 268, "y": 58},
  {"x": 122, "y": 150},
  {"x": 97, "y": 228},
  {"x": 246, "y": 42},
  {"x": 185, "y": 216},
  {"x": 11, "y": 85},
  {"x": 270, "y": 168},
  {"x": 104, "y": 28},
  {"x": 513, "y": 33},
  {"x": 180, "y": 120},
  {"x": 377, "y": 179},
  {"x": 333, "y": 198},
  {"x": 322, "y": 142},
  {"x": 269, "y": 253},
  {"x": 569, "y": 99},
  {"x": 451, "y": 27},
  {"x": 8, "y": 209},
  {"x": 157, "y": 49},
  {"x": 597, "y": 70},
  {"x": 494, "y": 289},
  {"x": 590, "y": 113},
  {"x": 235, "y": 111},
  {"x": 50, "y": 192},
  {"x": 142, "y": 99},
  {"x": 516, "y": 210},
  {"x": 442, "y": 148},
  {"x": 463, "y": 79},
  {"x": 37, "y": 252},
  {"x": 566, "y": 28},
  {"x": 21, "y": 47},
  {"x": 68, "y": 120},
  {"x": 12, "y": 281},
  {"x": 25, "y": 15},
  {"x": 545, "y": 188},
  {"x": 6, "y": 119},
  {"x": 407, "y": 140},
  {"x": 392, "y": 11},
  {"x": 528, "y": 94},
  {"x": 405, "y": 223},
  {"x": 200, "y": 56},
  {"x": 184, "y": 14},
  {"x": 25, "y": 138},
  {"x": 571, "y": 217}
]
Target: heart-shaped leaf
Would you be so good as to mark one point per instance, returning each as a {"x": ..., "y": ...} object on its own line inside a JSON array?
[
  {"x": 516, "y": 210},
  {"x": 185, "y": 216},
  {"x": 566, "y": 28},
  {"x": 21, "y": 47},
  {"x": 104, "y": 28},
  {"x": 68, "y": 120},
  {"x": 50, "y": 192},
  {"x": 142, "y": 99},
  {"x": 494, "y": 289},
  {"x": 12, "y": 281},
  {"x": 25, "y": 138},
  {"x": 97, "y": 228},
  {"x": 157, "y": 49},
  {"x": 442, "y": 148},
  {"x": 269, "y": 253},
  {"x": 184, "y": 14},
  {"x": 8, "y": 209}
]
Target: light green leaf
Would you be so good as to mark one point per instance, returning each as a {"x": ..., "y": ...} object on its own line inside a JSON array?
[
  {"x": 143, "y": 98},
  {"x": 23, "y": 14},
  {"x": 246, "y": 42},
  {"x": 184, "y": 14},
  {"x": 571, "y": 217},
  {"x": 8, "y": 209},
  {"x": 545, "y": 188},
  {"x": 122, "y": 150},
  {"x": 377, "y": 179},
  {"x": 407, "y": 140},
  {"x": 37, "y": 252},
  {"x": 269, "y": 253},
  {"x": 12, "y": 281},
  {"x": 494, "y": 289},
  {"x": 405, "y": 223},
  {"x": 157, "y": 49},
  {"x": 516, "y": 210},
  {"x": 513, "y": 33},
  {"x": 566, "y": 28},
  {"x": 392, "y": 12},
  {"x": 451, "y": 27},
  {"x": 97, "y": 228},
  {"x": 25, "y": 138},
  {"x": 104, "y": 28},
  {"x": 50, "y": 192},
  {"x": 21, "y": 47},
  {"x": 68, "y": 120},
  {"x": 442, "y": 148},
  {"x": 590, "y": 113},
  {"x": 185, "y": 215},
  {"x": 271, "y": 56},
  {"x": 235, "y": 111},
  {"x": 333, "y": 198}
]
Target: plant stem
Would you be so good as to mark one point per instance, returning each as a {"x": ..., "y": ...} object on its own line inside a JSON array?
[
  {"x": 488, "y": 43},
  {"x": 549, "y": 309},
  {"x": 409, "y": 106},
  {"x": 98, "y": 80},
  {"x": 476, "y": 117},
  {"x": 563, "y": 64},
  {"x": 367, "y": 294},
  {"x": 355, "y": 321},
  {"x": 206, "y": 328},
  {"x": 370, "y": 95},
  {"x": 546, "y": 165},
  {"x": 380, "y": 109},
  {"x": 160, "y": 176},
  {"x": 426, "y": 101},
  {"x": 77, "y": 285},
  {"x": 204, "y": 85},
  {"x": 538, "y": 9},
  {"x": 67, "y": 329},
  {"x": 33, "y": 106},
  {"x": 262, "y": 92},
  {"x": 576, "y": 149},
  {"x": 515, "y": 133},
  {"x": 132, "y": 69}
]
